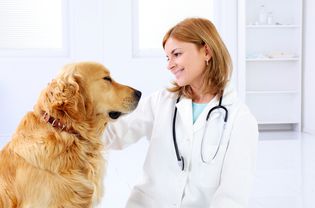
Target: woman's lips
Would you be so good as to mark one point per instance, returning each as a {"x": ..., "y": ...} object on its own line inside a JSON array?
[{"x": 178, "y": 72}]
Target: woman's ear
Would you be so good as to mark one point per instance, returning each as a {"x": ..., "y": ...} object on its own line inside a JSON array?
[{"x": 208, "y": 52}]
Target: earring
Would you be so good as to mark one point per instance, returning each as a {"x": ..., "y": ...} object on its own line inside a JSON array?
[{"x": 207, "y": 62}]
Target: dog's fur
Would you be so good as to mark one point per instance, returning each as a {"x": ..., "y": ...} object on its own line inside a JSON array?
[{"x": 44, "y": 166}]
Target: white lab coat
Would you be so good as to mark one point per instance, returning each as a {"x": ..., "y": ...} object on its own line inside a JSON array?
[{"x": 221, "y": 183}]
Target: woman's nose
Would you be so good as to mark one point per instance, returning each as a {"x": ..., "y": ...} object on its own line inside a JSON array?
[{"x": 170, "y": 64}]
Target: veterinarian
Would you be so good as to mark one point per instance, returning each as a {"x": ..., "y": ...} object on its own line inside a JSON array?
[{"x": 202, "y": 138}]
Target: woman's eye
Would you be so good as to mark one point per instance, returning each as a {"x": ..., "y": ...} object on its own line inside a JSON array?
[
  {"x": 107, "y": 79},
  {"x": 177, "y": 54}
]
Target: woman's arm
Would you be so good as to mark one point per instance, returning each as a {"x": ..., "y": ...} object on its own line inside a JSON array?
[{"x": 130, "y": 128}]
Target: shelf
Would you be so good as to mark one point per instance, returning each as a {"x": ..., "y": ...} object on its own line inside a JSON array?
[
  {"x": 272, "y": 92},
  {"x": 274, "y": 107},
  {"x": 271, "y": 59},
  {"x": 271, "y": 26},
  {"x": 277, "y": 122},
  {"x": 279, "y": 135}
]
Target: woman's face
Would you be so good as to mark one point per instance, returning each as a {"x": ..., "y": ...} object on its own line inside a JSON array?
[{"x": 186, "y": 61}]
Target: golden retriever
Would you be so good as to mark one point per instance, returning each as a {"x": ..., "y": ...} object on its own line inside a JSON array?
[{"x": 54, "y": 159}]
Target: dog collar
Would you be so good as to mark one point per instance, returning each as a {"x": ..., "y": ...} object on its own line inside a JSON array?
[{"x": 56, "y": 123}]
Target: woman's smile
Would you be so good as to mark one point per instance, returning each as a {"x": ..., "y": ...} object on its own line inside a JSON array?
[{"x": 177, "y": 72}]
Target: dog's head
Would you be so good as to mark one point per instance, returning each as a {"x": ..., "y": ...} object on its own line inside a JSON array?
[{"x": 86, "y": 90}]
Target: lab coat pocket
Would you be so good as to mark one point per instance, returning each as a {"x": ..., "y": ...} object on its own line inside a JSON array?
[
  {"x": 212, "y": 165},
  {"x": 212, "y": 140},
  {"x": 213, "y": 154}
]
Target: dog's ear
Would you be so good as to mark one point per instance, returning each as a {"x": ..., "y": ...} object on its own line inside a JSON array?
[{"x": 66, "y": 97}]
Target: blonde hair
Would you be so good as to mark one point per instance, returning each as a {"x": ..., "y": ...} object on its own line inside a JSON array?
[{"x": 202, "y": 32}]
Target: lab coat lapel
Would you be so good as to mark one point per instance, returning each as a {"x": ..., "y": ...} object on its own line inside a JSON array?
[
  {"x": 184, "y": 108},
  {"x": 229, "y": 97},
  {"x": 201, "y": 121}
]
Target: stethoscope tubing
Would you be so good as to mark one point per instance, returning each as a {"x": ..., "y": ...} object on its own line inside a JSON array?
[
  {"x": 218, "y": 146},
  {"x": 180, "y": 158}
]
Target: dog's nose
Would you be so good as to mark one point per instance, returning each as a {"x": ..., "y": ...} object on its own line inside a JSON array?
[{"x": 137, "y": 94}]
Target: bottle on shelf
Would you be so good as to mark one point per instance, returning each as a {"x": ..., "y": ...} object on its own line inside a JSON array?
[
  {"x": 262, "y": 15},
  {"x": 269, "y": 18}
]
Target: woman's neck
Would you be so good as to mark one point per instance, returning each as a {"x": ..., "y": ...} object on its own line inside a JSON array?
[
  {"x": 202, "y": 98},
  {"x": 199, "y": 96}
]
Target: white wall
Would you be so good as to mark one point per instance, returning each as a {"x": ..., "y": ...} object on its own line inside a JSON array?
[
  {"x": 23, "y": 77},
  {"x": 309, "y": 67}
]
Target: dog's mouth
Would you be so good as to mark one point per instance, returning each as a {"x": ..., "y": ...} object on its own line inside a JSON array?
[{"x": 114, "y": 114}]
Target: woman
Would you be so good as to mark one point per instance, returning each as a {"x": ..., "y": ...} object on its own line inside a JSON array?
[{"x": 192, "y": 162}]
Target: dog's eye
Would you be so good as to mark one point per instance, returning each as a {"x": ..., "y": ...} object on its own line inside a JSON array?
[{"x": 107, "y": 79}]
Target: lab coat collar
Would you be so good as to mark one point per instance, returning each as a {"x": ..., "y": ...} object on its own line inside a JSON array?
[
  {"x": 184, "y": 107},
  {"x": 229, "y": 95}
]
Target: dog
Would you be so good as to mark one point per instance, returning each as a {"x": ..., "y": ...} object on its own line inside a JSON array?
[{"x": 54, "y": 158}]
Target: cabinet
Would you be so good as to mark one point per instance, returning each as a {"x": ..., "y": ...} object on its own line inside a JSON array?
[{"x": 269, "y": 64}]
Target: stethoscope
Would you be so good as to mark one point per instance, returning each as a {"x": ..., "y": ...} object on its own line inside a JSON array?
[{"x": 180, "y": 158}]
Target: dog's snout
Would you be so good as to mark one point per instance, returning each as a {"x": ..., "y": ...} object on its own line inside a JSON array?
[{"x": 137, "y": 94}]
